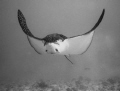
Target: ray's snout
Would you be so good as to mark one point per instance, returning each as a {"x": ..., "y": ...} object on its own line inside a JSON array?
[{"x": 50, "y": 49}]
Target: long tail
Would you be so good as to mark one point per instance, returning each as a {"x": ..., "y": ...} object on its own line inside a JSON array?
[
  {"x": 68, "y": 59},
  {"x": 23, "y": 24},
  {"x": 98, "y": 22}
]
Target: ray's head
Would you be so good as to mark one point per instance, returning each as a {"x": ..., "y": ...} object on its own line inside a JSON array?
[{"x": 57, "y": 47}]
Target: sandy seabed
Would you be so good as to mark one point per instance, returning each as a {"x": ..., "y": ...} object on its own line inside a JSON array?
[{"x": 80, "y": 84}]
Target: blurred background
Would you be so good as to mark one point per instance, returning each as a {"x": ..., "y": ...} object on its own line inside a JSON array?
[{"x": 19, "y": 61}]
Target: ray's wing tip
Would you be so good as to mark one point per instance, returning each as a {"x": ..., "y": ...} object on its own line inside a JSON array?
[
  {"x": 20, "y": 14},
  {"x": 103, "y": 11},
  {"x": 22, "y": 22},
  {"x": 19, "y": 11}
]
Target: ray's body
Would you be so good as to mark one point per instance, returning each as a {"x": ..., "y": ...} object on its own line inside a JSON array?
[{"x": 57, "y": 43}]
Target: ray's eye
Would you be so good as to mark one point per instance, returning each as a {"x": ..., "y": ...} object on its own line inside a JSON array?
[{"x": 56, "y": 50}]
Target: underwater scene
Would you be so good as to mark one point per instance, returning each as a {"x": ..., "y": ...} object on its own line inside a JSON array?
[{"x": 60, "y": 45}]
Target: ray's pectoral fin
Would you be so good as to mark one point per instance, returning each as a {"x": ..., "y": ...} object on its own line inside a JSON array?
[
  {"x": 38, "y": 45},
  {"x": 79, "y": 44},
  {"x": 23, "y": 24}
]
